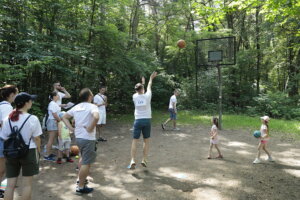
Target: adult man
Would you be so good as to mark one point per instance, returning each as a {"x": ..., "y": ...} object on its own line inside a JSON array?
[
  {"x": 142, "y": 123},
  {"x": 100, "y": 100},
  {"x": 173, "y": 111},
  {"x": 62, "y": 93},
  {"x": 86, "y": 116}
]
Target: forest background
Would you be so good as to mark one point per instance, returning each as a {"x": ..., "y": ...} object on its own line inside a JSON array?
[{"x": 88, "y": 43}]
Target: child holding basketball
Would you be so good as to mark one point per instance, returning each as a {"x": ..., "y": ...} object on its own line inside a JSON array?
[
  {"x": 214, "y": 140},
  {"x": 263, "y": 140},
  {"x": 64, "y": 140}
]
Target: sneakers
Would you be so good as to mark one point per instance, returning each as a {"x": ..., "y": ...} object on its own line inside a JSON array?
[
  {"x": 84, "y": 190},
  {"x": 49, "y": 158},
  {"x": 270, "y": 159},
  {"x": 59, "y": 161},
  {"x": 176, "y": 129},
  {"x": 144, "y": 163},
  {"x": 163, "y": 127},
  {"x": 256, "y": 161},
  {"x": 131, "y": 166},
  {"x": 69, "y": 160},
  {"x": 52, "y": 155}
]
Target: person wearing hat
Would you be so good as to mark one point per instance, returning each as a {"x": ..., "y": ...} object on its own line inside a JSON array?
[
  {"x": 263, "y": 140},
  {"x": 30, "y": 132},
  {"x": 7, "y": 96},
  {"x": 142, "y": 123}
]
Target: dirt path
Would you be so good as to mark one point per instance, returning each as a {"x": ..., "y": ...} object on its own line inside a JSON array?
[{"x": 178, "y": 169}]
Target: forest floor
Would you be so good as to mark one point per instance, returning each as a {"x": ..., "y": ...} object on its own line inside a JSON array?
[{"x": 178, "y": 168}]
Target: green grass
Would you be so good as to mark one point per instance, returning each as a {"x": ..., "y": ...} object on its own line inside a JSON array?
[{"x": 229, "y": 121}]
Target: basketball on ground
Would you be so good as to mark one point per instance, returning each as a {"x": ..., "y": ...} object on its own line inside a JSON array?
[
  {"x": 181, "y": 44},
  {"x": 74, "y": 150}
]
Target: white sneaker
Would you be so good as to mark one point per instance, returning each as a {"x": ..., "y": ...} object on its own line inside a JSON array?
[
  {"x": 270, "y": 159},
  {"x": 176, "y": 129},
  {"x": 256, "y": 161}
]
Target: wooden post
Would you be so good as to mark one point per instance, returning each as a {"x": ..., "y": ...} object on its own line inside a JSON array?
[{"x": 220, "y": 94}]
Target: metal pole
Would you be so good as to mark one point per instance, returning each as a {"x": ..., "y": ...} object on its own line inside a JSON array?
[{"x": 220, "y": 95}]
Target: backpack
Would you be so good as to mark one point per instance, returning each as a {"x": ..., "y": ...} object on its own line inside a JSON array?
[{"x": 14, "y": 146}]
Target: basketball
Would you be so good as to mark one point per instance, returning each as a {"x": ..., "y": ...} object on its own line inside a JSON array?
[
  {"x": 257, "y": 134},
  {"x": 181, "y": 44},
  {"x": 74, "y": 150}
]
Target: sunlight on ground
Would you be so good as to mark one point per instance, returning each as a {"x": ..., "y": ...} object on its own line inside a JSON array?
[
  {"x": 173, "y": 172},
  {"x": 238, "y": 144},
  {"x": 243, "y": 152},
  {"x": 217, "y": 182},
  {"x": 284, "y": 145},
  {"x": 121, "y": 192},
  {"x": 293, "y": 172},
  {"x": 290, "y": 161},
  {"x": 207, "y": 193}
]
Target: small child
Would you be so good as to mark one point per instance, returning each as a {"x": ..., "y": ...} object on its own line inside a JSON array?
[
  {"x": 214, "y": 140},
  {"x": 263, "y": 140},
  {"x": 64, "y": 140}
]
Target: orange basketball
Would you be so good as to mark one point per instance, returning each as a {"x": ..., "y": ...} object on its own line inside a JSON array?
[
  {"x": 74, "y": 150},
  {"x": 181, "y": 44}
]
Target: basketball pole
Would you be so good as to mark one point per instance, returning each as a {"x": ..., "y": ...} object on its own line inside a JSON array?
[{"x": 220, "y": 94}]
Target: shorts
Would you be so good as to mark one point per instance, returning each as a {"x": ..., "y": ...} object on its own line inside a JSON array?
[
  {"x": 1, "y": 148},
  {"x": 142, "y": 126},
  {"x": 264, "y": 141},
  {"x": 64, "y": 144},
  {"x": 87, "y": 150},
  {"x": 102, "y": 118},
  {"x": 214, "y": 141},
  {"x": 29, "y": 165},
  {"x": 51, "y": 125},
  {"x": 173, "y": 115}
]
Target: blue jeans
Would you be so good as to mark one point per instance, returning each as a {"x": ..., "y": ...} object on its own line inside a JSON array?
[
  {"x": 173, "y": 115},
  {"x": 142, "y": 126}
]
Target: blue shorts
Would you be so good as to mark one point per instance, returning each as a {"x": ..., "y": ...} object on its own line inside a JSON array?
[
  {"x": 51, "y": 125},
  {"x": 173, "y": 115},
  {"x": 1, "y": 148},
  {"x": 142, "y": 126}
]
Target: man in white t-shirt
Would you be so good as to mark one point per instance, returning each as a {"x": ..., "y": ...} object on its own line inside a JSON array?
[
  {"x": 86, "y": 116},
  {"x": 62, "y": 93},
  {"x": 173, "y": 111},
  {"x": 100, "y": 100},
  {"x": 142, "y": 123}
]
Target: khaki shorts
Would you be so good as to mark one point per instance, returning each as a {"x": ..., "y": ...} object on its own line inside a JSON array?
[{"x": 29, "y": 165}]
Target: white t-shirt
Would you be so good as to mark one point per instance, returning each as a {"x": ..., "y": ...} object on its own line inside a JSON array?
[
  {"x": 263, "y": 130},
  {"x": 53, "y": 107},
  {"x": 173, "y": 99},
  {"x": 99, "y": 99},
  {"x": 83, "y": 116},
  {"x": 214, "y": 129},
  {"x": 142, "y": 104},
  {"x": 5, "y": 110},
  {"x": 61, "y": 96},
  {"x": 32, "y": 128}
]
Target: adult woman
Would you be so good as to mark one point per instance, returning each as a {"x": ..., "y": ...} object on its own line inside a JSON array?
[
  {"x": 30, "y": 132},
  {"x": 7, "y": 96},
  {"x": 52, "y": 128}
]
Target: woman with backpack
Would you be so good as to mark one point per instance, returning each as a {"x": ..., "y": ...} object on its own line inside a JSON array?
[
  {"x": 7, "y": 96},
  {"x": 29, "y": 127}
]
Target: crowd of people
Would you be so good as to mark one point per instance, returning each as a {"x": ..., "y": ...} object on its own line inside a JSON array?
[{"x": 85, "y": 120}]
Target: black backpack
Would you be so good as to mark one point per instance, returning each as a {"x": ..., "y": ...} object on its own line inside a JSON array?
[{"x": 14, "y": 146}]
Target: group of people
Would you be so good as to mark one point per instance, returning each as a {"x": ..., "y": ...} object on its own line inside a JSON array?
[{"x": 84, "y": 119}]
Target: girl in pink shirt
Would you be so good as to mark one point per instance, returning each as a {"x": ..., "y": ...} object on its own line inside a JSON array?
[{"x": 214, "y": 139}]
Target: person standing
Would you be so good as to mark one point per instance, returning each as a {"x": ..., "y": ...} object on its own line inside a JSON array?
[
  {"x": 100, "y": 100},
  {"x": 173, "y": 111},
  {"x": 142, "y": 123},
  {"x": 30, "y": 132},
  {"x": 62, "y": 93},
  {"x": 7, "y": 96},
  {"x": 86, "y": 116}
]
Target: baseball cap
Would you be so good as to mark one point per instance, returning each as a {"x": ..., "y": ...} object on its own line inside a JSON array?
[
  {"x": 24, "y": 97},
  {"x": 266, "y": 118}
]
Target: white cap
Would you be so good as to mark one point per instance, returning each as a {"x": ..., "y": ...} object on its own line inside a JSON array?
[{"x": 265, "y": 118}]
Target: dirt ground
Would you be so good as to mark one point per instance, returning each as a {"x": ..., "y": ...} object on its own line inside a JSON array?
[{"x": 178, "y": 169}]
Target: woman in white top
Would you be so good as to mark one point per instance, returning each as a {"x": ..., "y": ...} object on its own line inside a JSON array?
[
  {"x": 52, "y": 127},
  {"x": 30, "y": 132},
  {"x": 7, "y": 96}
]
